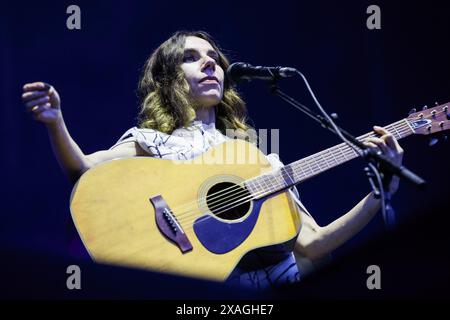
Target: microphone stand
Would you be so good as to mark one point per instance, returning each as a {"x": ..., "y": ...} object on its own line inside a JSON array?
[{"x": 374, "y": 160}]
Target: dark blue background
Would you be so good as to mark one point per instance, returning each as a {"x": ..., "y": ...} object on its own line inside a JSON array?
[{"x": 367, "y": 76}]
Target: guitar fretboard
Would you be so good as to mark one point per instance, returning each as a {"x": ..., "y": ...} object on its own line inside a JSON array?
[{"x": 310, "y": 166}]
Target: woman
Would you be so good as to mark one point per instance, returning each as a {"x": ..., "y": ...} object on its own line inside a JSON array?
[{"x": 186, "y": 106}]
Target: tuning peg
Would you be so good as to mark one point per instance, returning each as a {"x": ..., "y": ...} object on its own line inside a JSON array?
[
  {"x": 334, "y": 115},
  {"x": 432, "y": 141},
  {"x": 445, "y": 138},
  {"x": 413, "y": 110},
  {"x": 425, "y": 107},
  {"x": 436, "y": 103}
]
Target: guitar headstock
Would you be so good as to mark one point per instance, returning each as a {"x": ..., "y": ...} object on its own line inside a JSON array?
[{"x": 430, "y": 120}]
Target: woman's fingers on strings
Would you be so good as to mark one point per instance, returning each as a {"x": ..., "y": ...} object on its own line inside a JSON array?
[
  {"x": 389, "y": 139},
  {"x": 380, "y": 143},
  {"x": 393, "y": 143},
  {"x": 380, "y": 130},
  {"x": 371, "y": 145}
]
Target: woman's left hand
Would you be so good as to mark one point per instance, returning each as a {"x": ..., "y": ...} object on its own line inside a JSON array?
[{"x": 390, "y": 147}]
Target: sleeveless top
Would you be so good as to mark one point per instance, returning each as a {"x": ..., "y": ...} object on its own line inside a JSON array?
[{"x": 262, "y": 268}]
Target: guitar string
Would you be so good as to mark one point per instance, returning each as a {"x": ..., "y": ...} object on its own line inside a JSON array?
[
  {"x": 280, "y": 183},
  {"x": 306, "y": 160},
  {"x": 234, "y": 204},
  {"x": 243, "y": 191},
  {"x": 323, "y": 160}
]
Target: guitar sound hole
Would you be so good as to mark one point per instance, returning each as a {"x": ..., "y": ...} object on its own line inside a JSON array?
[{"x": 228, "y": 200}]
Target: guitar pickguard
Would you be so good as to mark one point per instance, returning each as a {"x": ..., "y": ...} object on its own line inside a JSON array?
[{"x": 221, "y": 237}]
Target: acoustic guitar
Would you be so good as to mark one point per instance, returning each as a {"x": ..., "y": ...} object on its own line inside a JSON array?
[{"x": 198, "y": 218}]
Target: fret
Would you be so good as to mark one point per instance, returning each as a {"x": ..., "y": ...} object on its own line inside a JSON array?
[
  {"x": 354, "y": 152},
  {"x": 265, "y": 185},
  {"x": 314, "y": 162},
  {"x": 409, "y": 125},
  {"x": 248, "y": 186},
  {"x": 338, "y": 146},
  {"x": 332, "y": 154},
  {"x": 323, "y": 161},
  {"x": 404, "y": 129},
  {"x": 291, "y": 182},
  {"x": 396, "y": 131},
  {"x": 256, "y": 186},
  {"x": 259, "y": 185},
  {"x": 399, "y": 127},
  {"x": 320, "y": 164},
  {"x": 295, "y": 174},
  {"x": 301, "y": 168},
  {"x": 339, "y": 156},
  {"x": 317, "y": 164},
  {"x": 310, "y": 169},
  {"x": 251, "y": 187},
  {"x": 280, "y": 178},
  {"x": 326, "y": 160}
]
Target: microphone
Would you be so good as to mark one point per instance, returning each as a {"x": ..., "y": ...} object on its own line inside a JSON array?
[{"x": 244, "y": 71}]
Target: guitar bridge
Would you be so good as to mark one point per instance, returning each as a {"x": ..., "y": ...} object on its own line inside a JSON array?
[{"x": 168, "y": 224}]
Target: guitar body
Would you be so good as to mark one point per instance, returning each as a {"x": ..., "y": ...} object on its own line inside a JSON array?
[{"x": 123, "y": 211}]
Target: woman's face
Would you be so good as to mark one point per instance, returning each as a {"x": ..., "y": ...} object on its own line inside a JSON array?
[{"x": 202, "y": 71}]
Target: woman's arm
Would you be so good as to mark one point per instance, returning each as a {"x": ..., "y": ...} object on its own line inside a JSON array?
[
  {"x": 43, "y": 103},
  {"x": 315, "y": 242}
]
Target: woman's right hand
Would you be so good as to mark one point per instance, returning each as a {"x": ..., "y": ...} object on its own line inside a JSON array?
[{"x": 43, "y": 102}]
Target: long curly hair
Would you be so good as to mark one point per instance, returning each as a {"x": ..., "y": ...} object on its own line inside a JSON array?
[{"x": 163, "y": 91}]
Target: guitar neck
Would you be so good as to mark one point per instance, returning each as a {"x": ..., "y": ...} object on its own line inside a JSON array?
[{"x": 308, "y": 167}]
